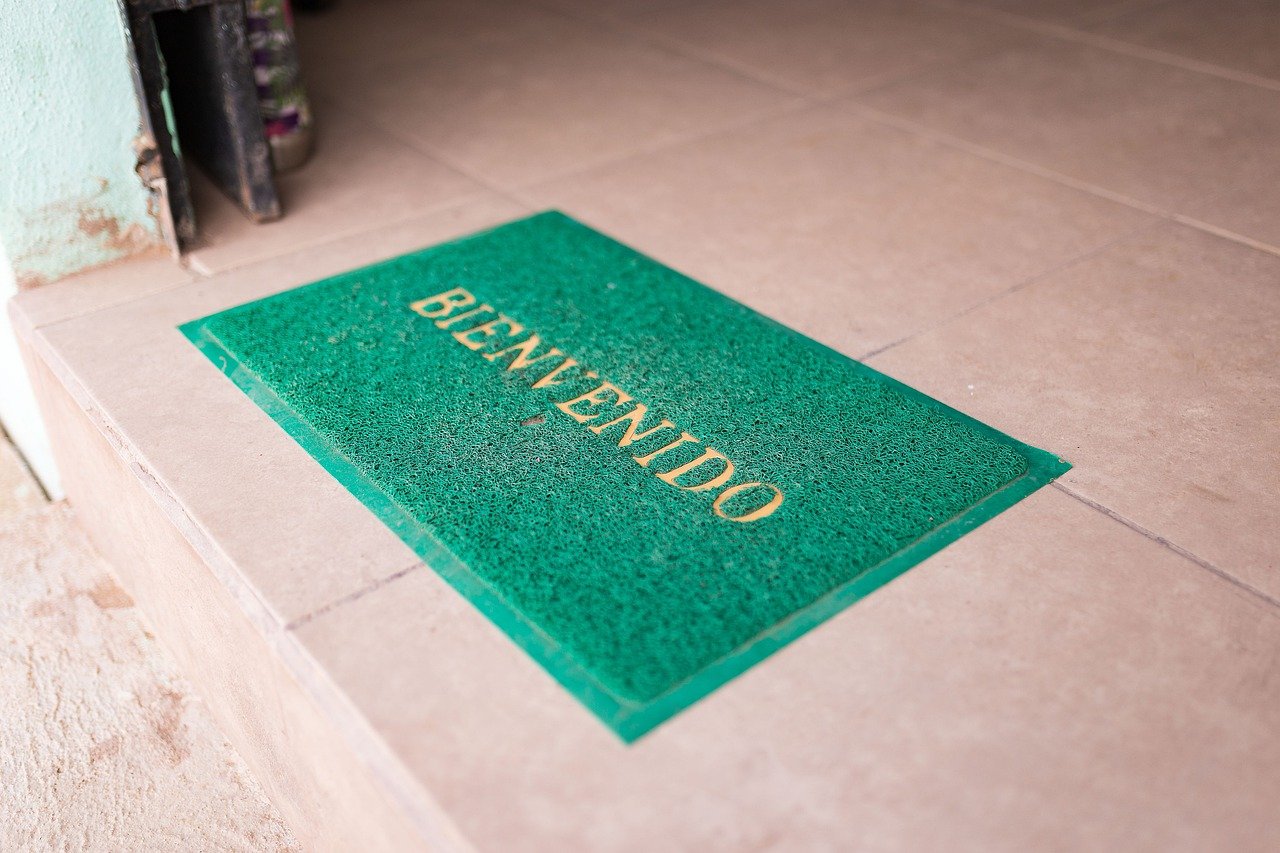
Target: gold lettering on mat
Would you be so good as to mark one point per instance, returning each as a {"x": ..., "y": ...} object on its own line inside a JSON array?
[{"x": 499, "y": 339}]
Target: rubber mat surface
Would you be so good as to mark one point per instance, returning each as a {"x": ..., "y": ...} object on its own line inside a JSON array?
[{"x": 647, "y": 485}]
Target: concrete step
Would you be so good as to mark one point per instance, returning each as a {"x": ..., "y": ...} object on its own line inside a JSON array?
[
  {"x": 998, "y": 693},
  {"x": 228, "y": 536}
]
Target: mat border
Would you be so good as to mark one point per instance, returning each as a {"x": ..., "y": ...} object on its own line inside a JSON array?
[{"x": 629, "y": 720}]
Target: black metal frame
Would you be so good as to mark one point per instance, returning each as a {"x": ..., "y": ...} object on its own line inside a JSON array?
[{"x": 195, "y": 54}]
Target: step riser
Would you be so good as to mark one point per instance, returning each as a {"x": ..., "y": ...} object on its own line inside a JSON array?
[{"x": 329, "y": 796}]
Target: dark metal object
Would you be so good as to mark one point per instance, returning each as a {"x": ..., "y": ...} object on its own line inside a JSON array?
[
  {"x": 157, "y": 142},
  {"x": 195, "y": 55}
]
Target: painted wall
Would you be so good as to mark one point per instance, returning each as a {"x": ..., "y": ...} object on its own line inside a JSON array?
[{"x": 69, "y": 196}]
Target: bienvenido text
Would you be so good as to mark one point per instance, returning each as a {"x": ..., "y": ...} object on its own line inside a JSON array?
[{"x": 605, "y": 409}]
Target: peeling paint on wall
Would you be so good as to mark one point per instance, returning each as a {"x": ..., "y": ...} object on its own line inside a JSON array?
[
  {"x": 72, "y": 234},
  {"x": 70, "y": 196}
]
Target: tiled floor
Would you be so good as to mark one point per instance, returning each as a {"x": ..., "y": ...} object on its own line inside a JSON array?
[
  {"x": 1166, "y": 137},
  {"x": 1059, "y": 217},
  {"x": 1240, "y": 35},
  {"x": 805, "y": 46}
]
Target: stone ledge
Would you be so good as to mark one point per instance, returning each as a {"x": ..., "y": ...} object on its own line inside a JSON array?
[{"x": 1023, "y": 683}]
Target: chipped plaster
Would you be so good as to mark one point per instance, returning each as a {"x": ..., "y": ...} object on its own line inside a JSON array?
[{"x": 69, "y": 195}]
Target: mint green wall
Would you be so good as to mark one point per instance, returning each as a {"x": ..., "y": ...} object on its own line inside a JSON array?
[{"x": 69, "y": 197}]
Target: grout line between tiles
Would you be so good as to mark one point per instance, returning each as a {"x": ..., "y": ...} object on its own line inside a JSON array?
[
  {"x": 425, "y": 151},
  {"x": 369, "y": 746},
  {"x": 1066, "y": 180},
  {"x": 742, "y": 123},
  {"x": 635, "y": 30},
  {"x": 152, "y": 291},
  {"x": 204, "y": 278},
  {"x": 1004, "y": 159},
  {"x": 515, "y": 193},
  {"x": 372, "y": 586},
  {"x": 308, "y": 246},
  {"x": 638, "y": 31},
  {"x": 1171, "y": 59},
  {"x": 512, "y": 194},
  {"x": 1225, "y": 234},
  {"x": 518, "y": 193},
  {"x": 688, "y": 50},
  {"x": 874, "y": 85},
  {"x": 247, "y": 597},
  {"x": 693, "y": 52},
  {"x": 1024, "y": 283},
  {"x": 1118, "y": 46},
  {"x": 790, "y": 106},
  {"x": 1123, "y": 10},
  {"x": 1172, "y": 546}
]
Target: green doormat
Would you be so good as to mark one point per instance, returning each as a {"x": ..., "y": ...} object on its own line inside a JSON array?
[{"x": 646, "y": 485}]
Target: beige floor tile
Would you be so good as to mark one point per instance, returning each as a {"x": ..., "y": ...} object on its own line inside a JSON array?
[
  {"x": 1243, "y": 35},
  {"x": 263, "y": 509},
  {"x": 1151, "y": 367},
  {"x": 102, "y": 288},
  {"x": 1251, "y": 210},
  {"x": 853, "y": 232},
  {"x": 360, "y": 178},
  {"x": 1158, "y": 134},
  {"x": 515, "y": 93},
  {"x": 1053, "y": 679},
  {"x": 826, "y": 46}
]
